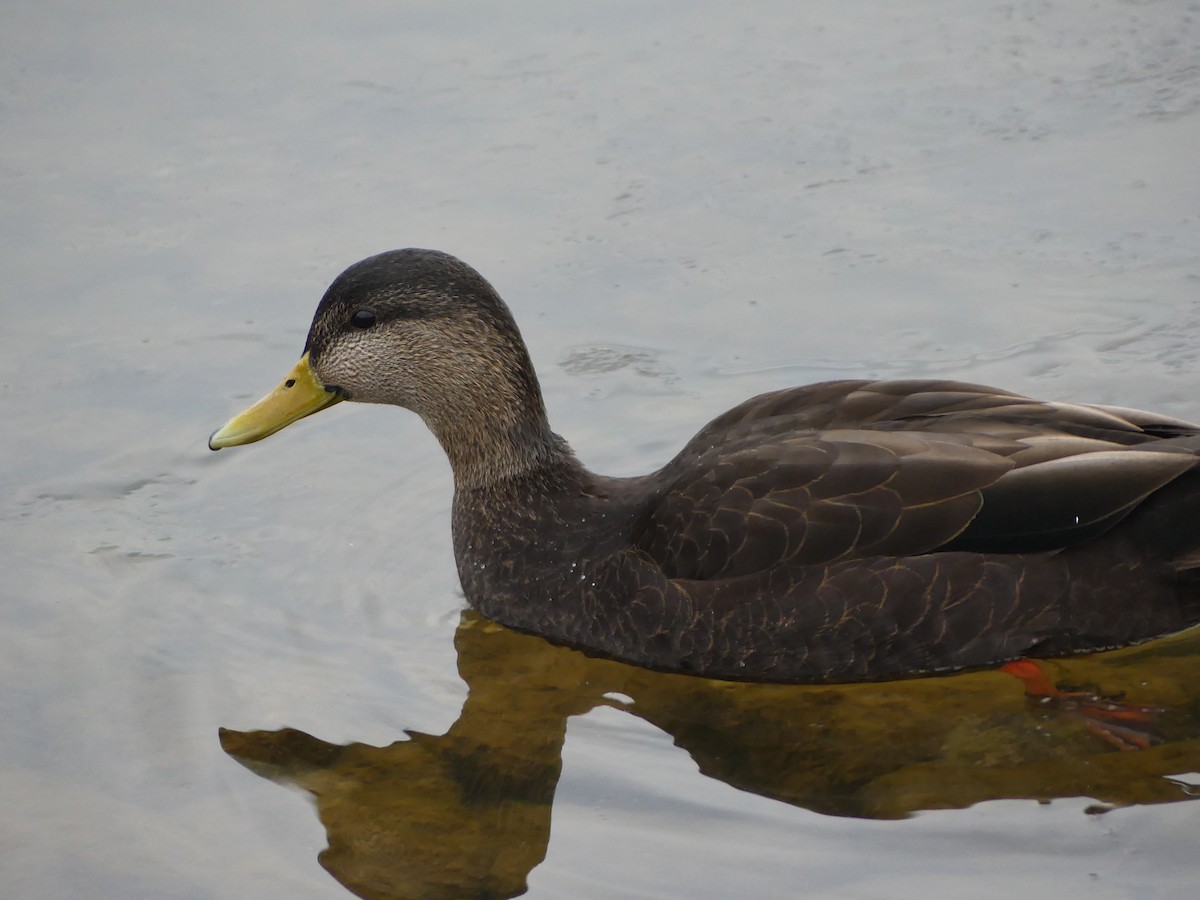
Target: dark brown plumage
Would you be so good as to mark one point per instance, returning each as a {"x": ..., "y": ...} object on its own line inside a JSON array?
[{"x": 843, "y": 531}]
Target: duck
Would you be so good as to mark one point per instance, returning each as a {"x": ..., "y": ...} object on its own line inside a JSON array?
[{"x": 851, "y": 530}]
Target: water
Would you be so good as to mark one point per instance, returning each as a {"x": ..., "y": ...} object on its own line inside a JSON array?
[{"x": 684, "y": 205}]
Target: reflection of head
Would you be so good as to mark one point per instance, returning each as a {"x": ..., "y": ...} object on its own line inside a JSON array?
[{"x": 430, "y": 817}]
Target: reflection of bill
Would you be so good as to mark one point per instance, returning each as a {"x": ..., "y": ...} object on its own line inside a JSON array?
[{"x": 467, "y": 813}]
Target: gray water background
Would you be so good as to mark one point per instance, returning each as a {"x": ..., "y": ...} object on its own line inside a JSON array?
[{"x": 685, "y": 204}]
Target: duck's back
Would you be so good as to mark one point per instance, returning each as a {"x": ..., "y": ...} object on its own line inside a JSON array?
[{"x": 857, "y": 469}]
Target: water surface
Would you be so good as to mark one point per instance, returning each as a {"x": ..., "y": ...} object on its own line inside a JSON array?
[{"x": 684, "y": 204}]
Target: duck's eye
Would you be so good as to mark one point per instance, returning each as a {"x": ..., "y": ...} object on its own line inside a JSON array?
[{"x": 362, "y": 318}]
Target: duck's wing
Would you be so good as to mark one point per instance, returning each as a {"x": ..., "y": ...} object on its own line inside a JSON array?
[
  {"x": 920, "y": 404},
  {"x": 858, "y": 469}
]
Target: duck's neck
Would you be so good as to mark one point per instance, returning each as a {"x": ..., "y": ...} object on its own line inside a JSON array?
[
  {"x": 486, "y": 453},
  {"x": 496, "y": 431}
]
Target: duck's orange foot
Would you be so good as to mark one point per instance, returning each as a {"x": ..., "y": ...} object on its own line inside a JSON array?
[{"x": 1127, "y": 726}]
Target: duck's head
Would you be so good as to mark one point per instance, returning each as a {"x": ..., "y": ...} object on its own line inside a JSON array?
[{"x": 419, "y": 329}]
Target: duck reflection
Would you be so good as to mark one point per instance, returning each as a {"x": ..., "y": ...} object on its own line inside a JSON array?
[{"x": 467, "y": 813}]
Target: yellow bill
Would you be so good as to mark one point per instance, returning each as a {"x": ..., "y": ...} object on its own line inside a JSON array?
[{"x": 300, "y": 395}]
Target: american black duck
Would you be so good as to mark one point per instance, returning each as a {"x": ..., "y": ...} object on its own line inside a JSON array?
[{"x": 843, "y": 531}]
